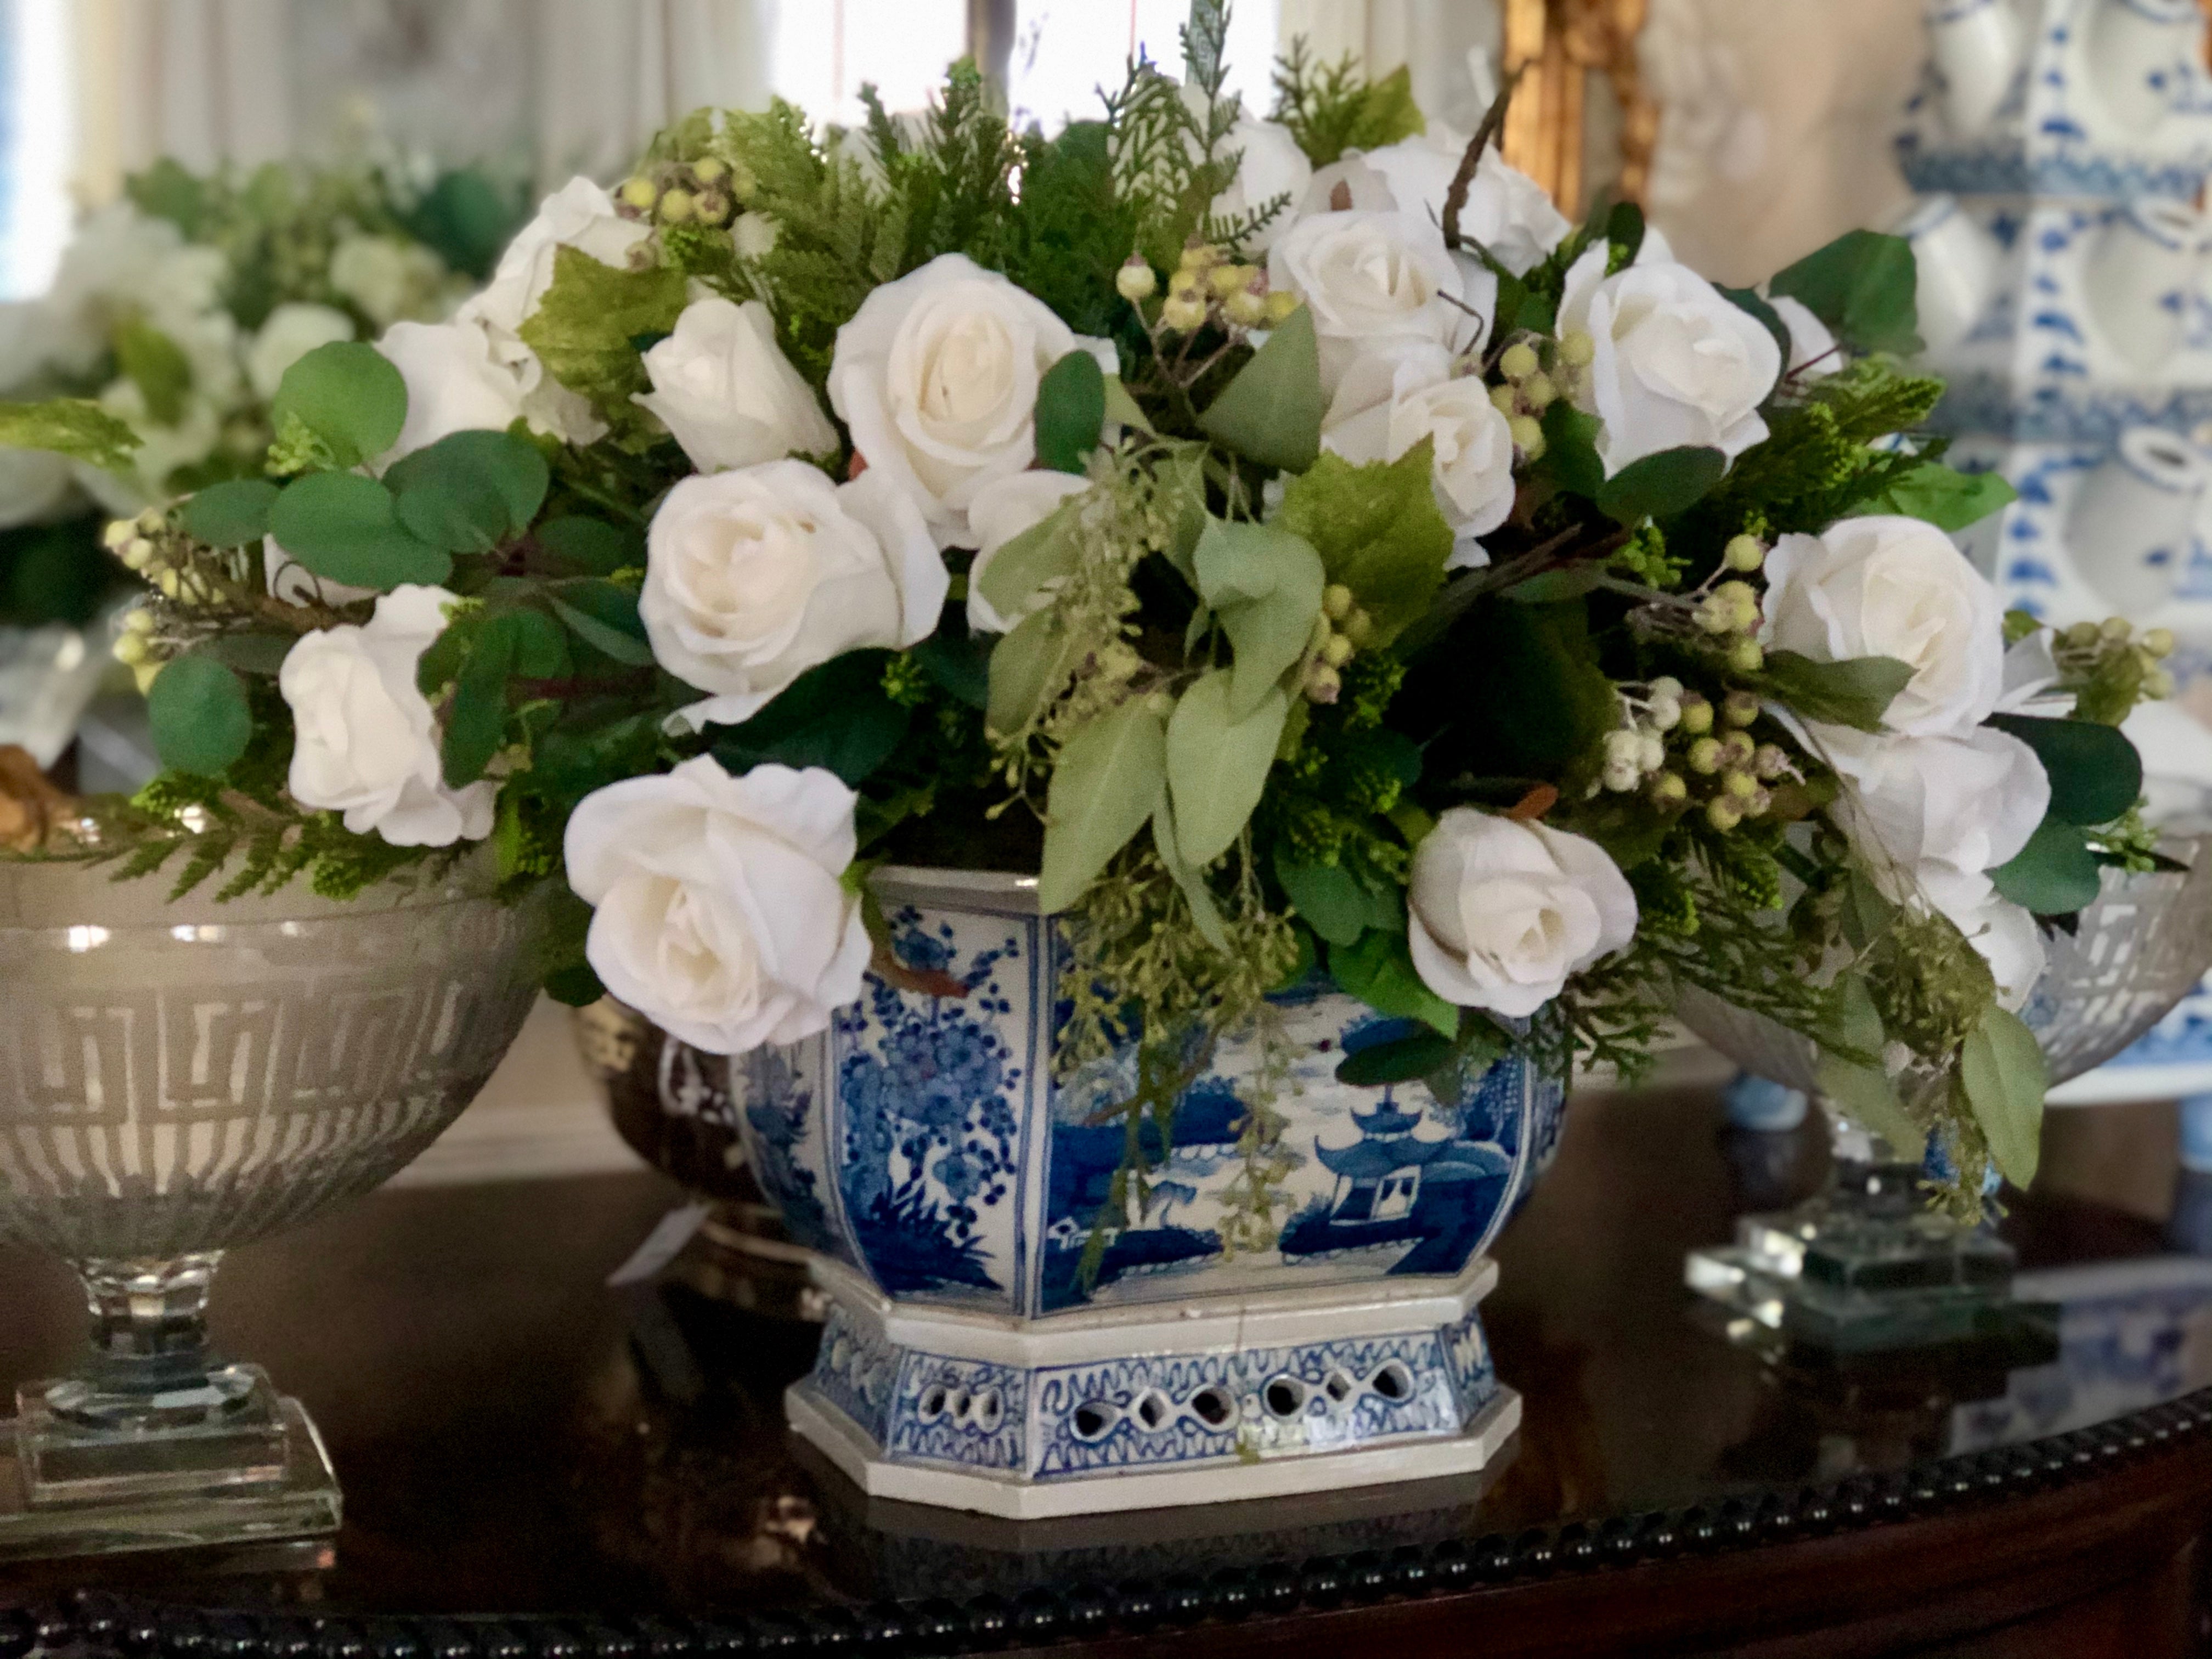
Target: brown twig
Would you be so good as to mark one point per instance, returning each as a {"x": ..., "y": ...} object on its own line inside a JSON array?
[{"x": 1493, "y": 124}]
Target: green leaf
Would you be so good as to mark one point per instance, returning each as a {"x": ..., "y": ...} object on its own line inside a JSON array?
[
  {"x": 1379, "y": 970},
  {"x": 1400, "y": 1061},
  {"x": 231, "y": 515},
  {"x": 1029, "y": 668},
  {"x": 1948, "y": 500},
  {"x": 1205, "y": 913},
  {"x": 1862, "y": 286},
  {"x": 250, "y": 653},
  {"x": 1856, "y": 692},
  {"x": 541, "y": 649},
  {"x": 2096, "y": 773},
  {"x": 604, "y": 616},
  {"x": 157, "y": 366},
  {"x": 1046, "y": 552},
  {"x": 1217, "y": 763},
  {"x": 1378, "y": 530},
  {"x": 470, "y": 490},
  {"x": 1071, "y": 410},
  {"x": 75, "y": 427},
  {"x": 1661, "y": 485},
  {"x": 1337, "y": 904},
  {"x": 476, "y": 719},
  {"x": 468, "y": 221},
  {"x": 2054, "y": 875},
  {"x": 1266, "y": 583},
  {"x": 1865, "y": 1095},
  {"x": 1867, "y": 911},
  {"x": 1550, "y": 586},
  {"x": 584, "y": 329},
  {"x": 836, "y": 716},
  {"x": 593, "y": 544},
  {"x": 1106, "y": 784},
  {"x": 346, "y": 528},
  {"x": 2002, "y": 1070},
  {"x": 959, "y": 662},
  {"x": 1388, "y": 113},
  {"x": 1272, "y": 411},
  {"x": 348, "y": 395},
  {"x": 200, "y": 717},
  {"x": 1526, "y": 693},
  {"x": 1124, "y": 410},
  {"x": 1570, "y": 456}
]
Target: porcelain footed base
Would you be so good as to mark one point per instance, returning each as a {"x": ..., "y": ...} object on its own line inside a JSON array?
[
  {"x": 68, "y": 1491},
  {"x": 1143, "y": 1407}
]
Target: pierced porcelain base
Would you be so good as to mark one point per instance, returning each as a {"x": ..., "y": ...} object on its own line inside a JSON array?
[{"x": 1220, "y": 1399}]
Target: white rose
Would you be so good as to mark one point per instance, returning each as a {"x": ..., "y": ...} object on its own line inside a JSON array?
[
  {"x": 1501, "y": 912},
  {"x": 1506, "y": 211},
  {"x": 1813, "y": 350},
  {"x": 1677, "y": 364},
  {"x": 721, "y": 913},
  {"x": 1884, "y": 586},
  {"x": 1375, "y": 281},
  {"x": 1387, "y": 404},
  {"x": 33, "y": 484},
  {"x": 1001, "y": 512},
  {"x": 1270, "y": 166},
  {"x": 366, "y": 743},
  {"x": 388, "y": 278},
  {"x": 937, "y": 376},
  {"x": 290, "y": 333},
  {"x": 581, "y": 216},
  {"x": 1936, "y": 815},
  {"x": 725, "y": 388},
  {"x": 123, "y": 263},
  {"x": 754, "y": 576},
  {"x": 454, "y": 383}
]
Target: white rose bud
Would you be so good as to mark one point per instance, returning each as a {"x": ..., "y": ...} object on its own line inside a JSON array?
[
  {"x": 289, "y": 334},
  {"x": 720, "y": 910},
  {"x": 1884, "y": 586},
  {"x": 754, "y": 576},
  {"x": 724, "y": 387},
  {"x": 1675, "y": 363},
  {"x": 937, "y": 377},
  {"x": 366, "y": 742},
  {"x": 1501, "y": 913},
  {"x": 1001, "y": 512},
  {"x": 1387, "y": 404}
]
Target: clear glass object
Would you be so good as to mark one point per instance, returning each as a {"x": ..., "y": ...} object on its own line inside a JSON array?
[
  {"x": 178, "y": 1080},
  {"x": 1865, "y": 1265}
]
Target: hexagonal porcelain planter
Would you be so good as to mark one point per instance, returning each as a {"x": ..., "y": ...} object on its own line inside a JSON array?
[{"x": 923, "y": 1147}]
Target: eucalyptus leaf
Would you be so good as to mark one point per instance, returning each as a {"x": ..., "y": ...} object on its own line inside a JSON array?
[
  {"x": 1863, "y": 285},
  {"x": 2054, "y": 874},
  {"x": 1272, "y": 411},
  {"x": 1570, "y": 456},
  {"x": 1379, "y": 970},
  {"x": 1205, "y": 913},
  {"x": 482, "y": 487},
  {"x": 348, "y": 395},
  {"x": 475, "y": 719},
  {"x": 1265, "y": 583},
  {"x": 1029, "y": 667},
  {"x": 1070, "y": 412},
  {"x": 1401, "y": 1060},
  {"x": 1948, "y": 500},
  {"x": 1123, "y": 409},
  {"x": 836, "y": 716},
  {"x": 250, "y": 653},
  {"x": 200, "y": 718},
  {"x": 1011, "y": 579},
  {"x": 1661, "y": 485},
  {"x": 592, "y": 545},
  {"x": 1856, "y": 692},
  {"x": 1105, "y": 785},
  {"x": 231, "y": 515},
  {"x": 346, "y": 528},
  {"x": 1217, "y": 763},
  {"x": 604, "y": 616},
  {"x": 1336, "y": 904},
  {"x": 2096, "y": 773},
  {"x": 2002, "y": 1070},
  {"x": 1865, "y": 1095}
]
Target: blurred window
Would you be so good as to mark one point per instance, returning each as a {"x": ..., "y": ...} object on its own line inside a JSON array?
[
  {"x": 34, "y": 143},
  {"x": 1065, "y": 49}
]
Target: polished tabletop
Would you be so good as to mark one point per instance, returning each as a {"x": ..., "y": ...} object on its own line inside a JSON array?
[{"x": 515, "y": 1436}]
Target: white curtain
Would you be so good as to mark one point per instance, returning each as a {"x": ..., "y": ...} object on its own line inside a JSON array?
[
  {"x": 205, "y": 80},
  {"x": 1431, "y": 38},
  {"x": 612, "y": 73}
]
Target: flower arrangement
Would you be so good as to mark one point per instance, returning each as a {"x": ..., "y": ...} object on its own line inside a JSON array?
[
  {"x": 1291, "y": 540},
  {"x": 178, "y": 310}
]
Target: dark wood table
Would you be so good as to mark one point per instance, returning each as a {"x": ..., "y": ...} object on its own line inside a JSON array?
[{"x": 538, "y": 1468}]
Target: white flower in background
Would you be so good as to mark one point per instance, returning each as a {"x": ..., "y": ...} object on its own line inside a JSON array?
[
  {"x": 26, "y": 335},
  {"x": 367, "y": 741},
  {"x": 387, "y": 276},
  {"x": 1270, "y": 165},
  {"x": 454, "y": 383},
  {"x": 1813, "y": 350},
  {"x": 2011, "y": 940},
  {"x": 161, "y": 449},
  {"x": 721, "y": 913},
  {"x": 33, "y": 482},
  {"x": 937, "y": 377},
  {"x": 752, "y": 236},
  {"x": 1501, "y": 912},
  {"x": 1676, "y": 364},
  {"x": 1001, "y": 512},
  {"x": 1376, "y": 282},
  {"x": 1887, "y": 586},
  {"x": 723, "y": 386},
  {"x": 754, "y": 576},
  {"x": 1936, "y": 814},
  {"x": 1388, "y": 403},
  {"x": 1506, "y": 211},
  {"x": 122, "y": 264},
  {"x": 291, "y": 331},
  {"x": 581, "y": 216}
]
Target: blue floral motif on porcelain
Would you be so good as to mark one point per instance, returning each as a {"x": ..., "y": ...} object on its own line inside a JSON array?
[{"x": 924, "y": 1140}]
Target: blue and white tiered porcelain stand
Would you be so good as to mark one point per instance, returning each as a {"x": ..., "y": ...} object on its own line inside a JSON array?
[{"x": 1287, "y": 1316}]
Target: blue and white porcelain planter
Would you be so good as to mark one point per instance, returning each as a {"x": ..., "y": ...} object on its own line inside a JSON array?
[{"x": 950, "y": 1180}]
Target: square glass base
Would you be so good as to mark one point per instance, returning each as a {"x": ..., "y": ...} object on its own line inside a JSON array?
[{"x": 260, "y": 1475}]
